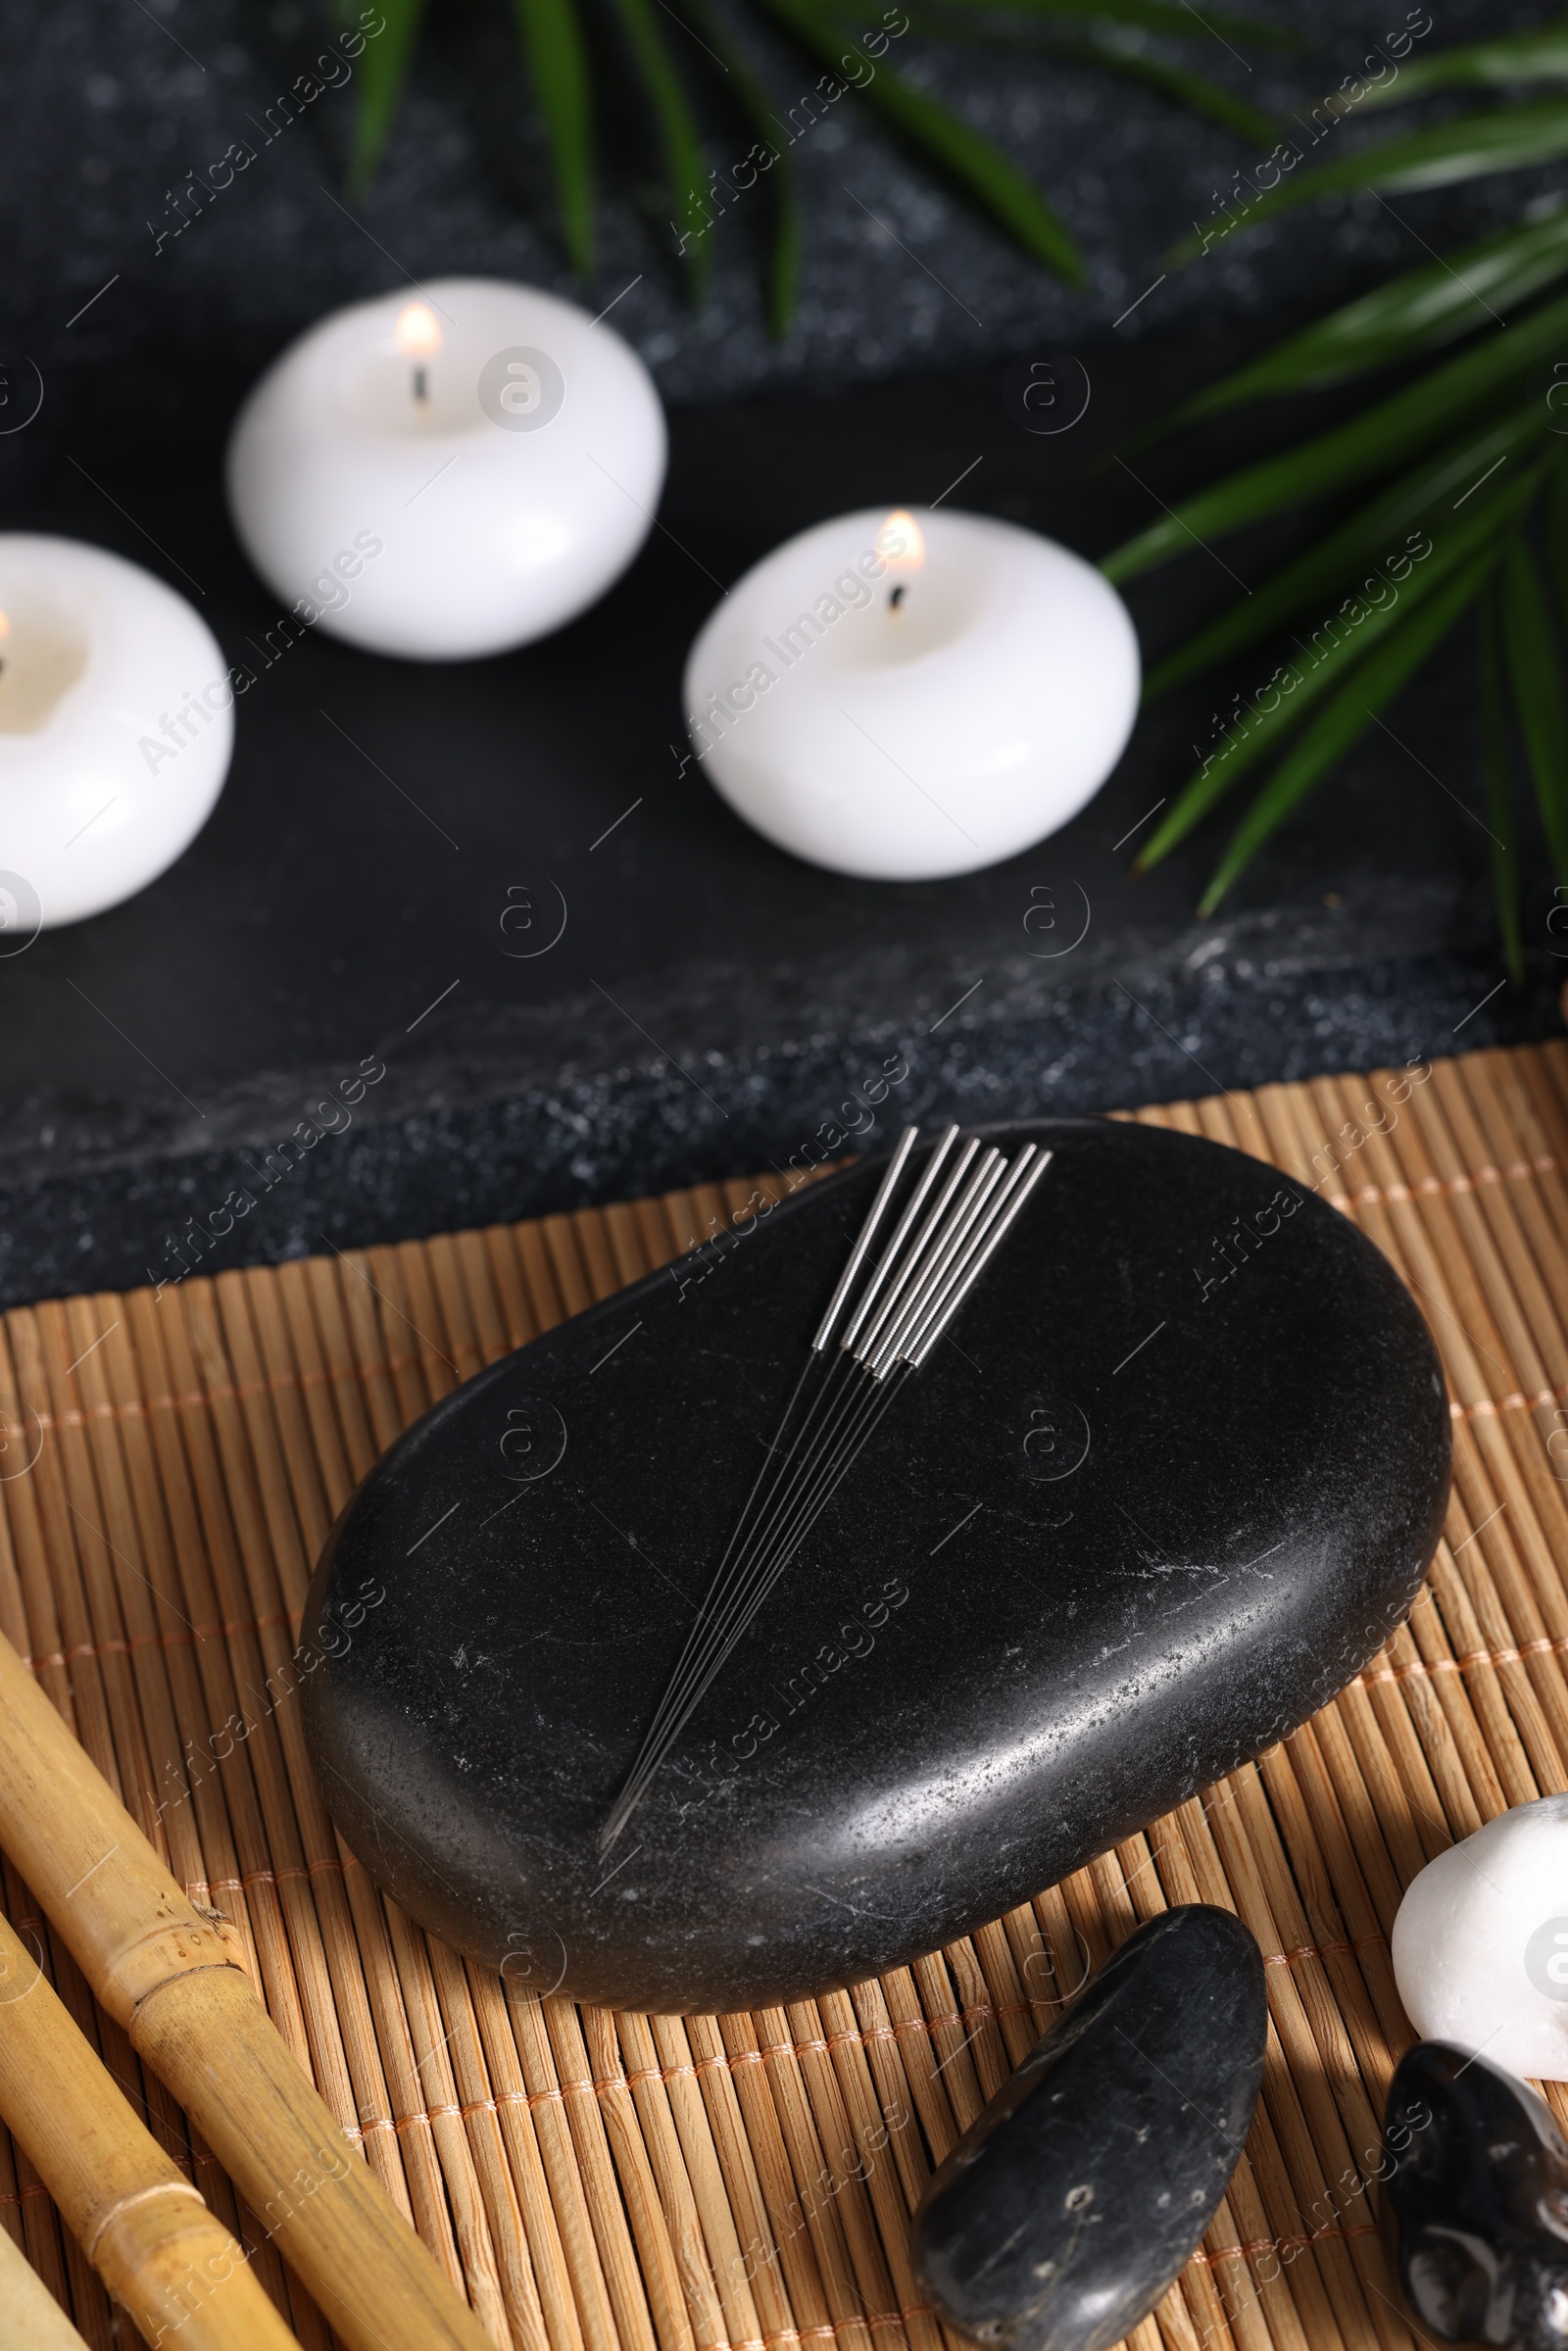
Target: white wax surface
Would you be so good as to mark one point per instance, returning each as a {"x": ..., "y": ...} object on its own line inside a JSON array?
[
  {"x": 1481, "y": 1943},
  {"x": 484, "y": 514},
  {"x": 116, "y": 728},
  {"x": 928, "y": 738}
]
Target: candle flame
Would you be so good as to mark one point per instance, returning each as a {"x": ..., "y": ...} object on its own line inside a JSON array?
[
  {"x": 5, "y": 626},
  {"x": 900, "y": 543},
  {"x": 418, "y": 336}
]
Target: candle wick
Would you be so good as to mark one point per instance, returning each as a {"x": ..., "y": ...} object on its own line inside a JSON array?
[
  {"x": 419, "y": 390},
  {"x": 897, "y": 597}
]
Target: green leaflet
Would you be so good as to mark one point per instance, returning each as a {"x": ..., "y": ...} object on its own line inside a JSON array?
[
  {"x": 1149, "y": 16},
  {"x": 1374, "y": 681},
  {"x": 1557, "y": 528},
  {"x": 684, "y": 169},
  {"x": 1499, "y": 799},
  {"x": 1381, "y": 436},
  {"x": 783, "y": 187},
  {"x": 1239, "y": 751},
  {"x": 1207, "y": 99},
  {"x": 1418, "y": 312},
  {"x": 1538, "y": 56},
  {"x": 1434, "y": 157},
  {"x": 1370, "y": 534},
  {"x": 383, "y": 69},
  {"x": 557, "y": 61},
  {"x": 1535, "y": 671},
  {"x": 978, "y": 166}
]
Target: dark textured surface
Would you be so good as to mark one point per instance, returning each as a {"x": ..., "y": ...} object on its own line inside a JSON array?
[
  {"x": 1476, "y": 2201},
  {"x": 709, "y": 997},
  {"x": 109, "y": 109},
  {"x": 970, "y": 1679},
  {"x": 396, "y": 840},
  {"x": 1076, "y": 2199}
]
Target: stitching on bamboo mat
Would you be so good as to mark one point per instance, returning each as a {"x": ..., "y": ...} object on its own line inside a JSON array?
[
  {"x": 1543, "y": 1648},
  {"x": 223, "y": 1391},
  {"x": 1284, "y": 2244},
  {"x": 159, "y": 1640},
  {"x": 1486, "y": 1406},
  {"x": 1435, "y": 1187}
]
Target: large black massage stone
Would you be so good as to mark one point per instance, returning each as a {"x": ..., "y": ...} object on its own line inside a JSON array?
[{"x": 1173, "y": 1478}]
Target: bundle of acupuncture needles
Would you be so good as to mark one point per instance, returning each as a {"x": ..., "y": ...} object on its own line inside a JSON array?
[{"x": 955, "y": 1219}]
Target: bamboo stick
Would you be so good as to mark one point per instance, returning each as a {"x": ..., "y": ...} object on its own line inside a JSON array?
[
  {"x": 175, "y": 1982},
  {"x": 30, "y": 2319},
  {"x": 139, "y": 2221}
]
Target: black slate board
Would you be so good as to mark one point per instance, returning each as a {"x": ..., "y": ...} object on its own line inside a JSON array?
[{"x": 1162, "y": 1493}]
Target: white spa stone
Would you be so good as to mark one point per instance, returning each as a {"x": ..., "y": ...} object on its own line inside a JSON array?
[{"x": 1481, "y": 1943}]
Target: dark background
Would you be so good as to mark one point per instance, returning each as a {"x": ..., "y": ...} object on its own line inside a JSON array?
[{"x": 709, "y": 994}]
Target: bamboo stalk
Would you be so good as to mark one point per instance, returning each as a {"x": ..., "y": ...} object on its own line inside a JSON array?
[
  {"x": 175, "y": 1982},
  {"x": 139, "y": 2221},
  {"x": 30, "y": 2319}
]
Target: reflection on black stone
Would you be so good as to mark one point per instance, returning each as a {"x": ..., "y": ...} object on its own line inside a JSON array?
[
  {"x": 1073, "y": 2201},
  {"x": 1475, "y": 2202}
]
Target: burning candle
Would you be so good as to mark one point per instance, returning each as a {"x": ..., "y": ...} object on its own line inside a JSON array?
[
  {"x": 451, "y": 476},
  {"x": 116, "y": 728},
  {"x": 909, "y": 696}
]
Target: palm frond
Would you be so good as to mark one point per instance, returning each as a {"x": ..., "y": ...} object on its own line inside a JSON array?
[
  {"x": 1535, "y": 671},
  {"x": 1499, "y": 798},
  {"x": 679, "y": 139},
  {"x": 978, "y": 165},
  {"x": 1540, "y": 54},
  {"x": 1374, "y": 682},
  {"x": 1424, "y": 494},
  {"x": 783, "y": 195},
  {"x": 1409, "y": 419},
  {"x": 565, "y": 58},
  {"x": 1437, "y": 156},
  {"x": 1442, "y": 302},
  {"x": 383, "y": 69},
  {"x": 558, "y": 60},
  {"x": 1298, "y": 686},
  {"x": 1166, "y": 17}
]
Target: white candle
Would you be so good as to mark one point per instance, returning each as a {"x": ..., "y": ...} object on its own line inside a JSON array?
[
  {"x": 116, "y": 728},
  {"x": 451, "y": 473},
  {"x": 908, "y": 696}
]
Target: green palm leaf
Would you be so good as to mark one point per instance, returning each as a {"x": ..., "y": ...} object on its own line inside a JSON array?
[
  {"x": 1516, "y": 56},
  {"x": 1557, "y": 531},
  {"x": 1209, "y": 100},
  {"x": 1421, "y": 311},
  {"x": 1499, "y": 799},
  {"x": 782, "y": 185},
  {"x": 1383, "y": 435},
  {"x": 1374, "y": 682},
  {"x": 1371, "y": 534},
  {"x": 1148, "y": 16},
  {"x": 684, "y": 168},
  {"x": 978, "y": 166},
  {"x": 1435, "y": 157},
  {"x": 558, "y": 60},
  {"x": 383, "y": 69},
  {"x": 1535, "y": 670},
  {"x": 1482, "y": 533}
]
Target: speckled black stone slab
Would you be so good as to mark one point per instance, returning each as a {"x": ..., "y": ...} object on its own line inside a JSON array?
[
  {"x": 1076, "y": 2197},
  {"x": 1170, "y": 1482},
  {"x": 1475, "y": 2202}
]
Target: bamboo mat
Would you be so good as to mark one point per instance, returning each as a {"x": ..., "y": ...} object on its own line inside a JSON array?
[{"x": 618, "y": 2183}]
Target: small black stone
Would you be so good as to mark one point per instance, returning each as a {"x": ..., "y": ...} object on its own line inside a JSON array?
[
  {"x": 1475, "y": 2202},
  {"x": 1173, "y": 1481},
  {"x": 1076, "y": 2199}
]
